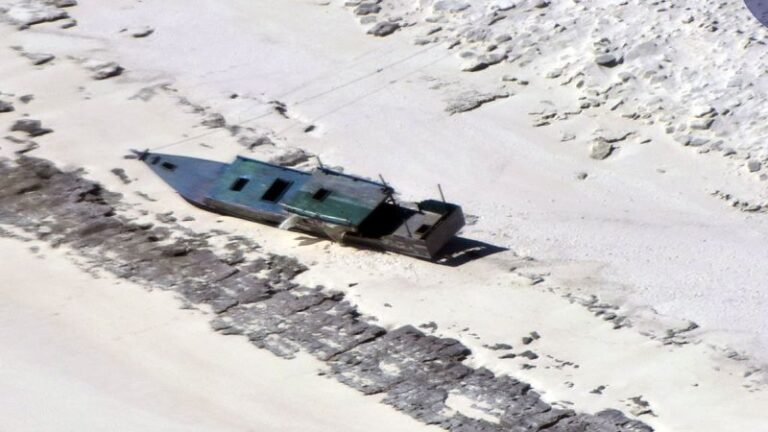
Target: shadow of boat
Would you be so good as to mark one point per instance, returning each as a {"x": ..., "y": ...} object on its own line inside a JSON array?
[{"x": 461, "y": 250}]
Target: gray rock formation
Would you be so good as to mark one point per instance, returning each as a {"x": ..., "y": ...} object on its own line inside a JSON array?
[
  {"x": 32, "y": 127},
  {"x": 259, "y": 299},
  {"x": 106, "y": 70},
  {"x": 5, "y": 106},
  {"x": 471, "y": 100},
  {"x": 600, "y": 149},
  {"x": 385, "y": 28},
  {"x": 25, "y": 13}
]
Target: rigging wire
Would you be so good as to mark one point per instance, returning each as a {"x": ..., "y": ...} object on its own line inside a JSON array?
[{"x": 309, "y": 98}]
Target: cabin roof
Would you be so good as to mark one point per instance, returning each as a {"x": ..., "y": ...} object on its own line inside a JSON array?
[
  {"x": 337, "y": 198},
  {"x": 246, "y": 182},
  {"x": 324, "y": 194}
]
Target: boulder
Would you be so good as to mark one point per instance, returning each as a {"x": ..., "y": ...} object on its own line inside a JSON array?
[
  {"x": 600, "y": 149},
  {"x": 607, "y": 60},
  {"x": 385, "y": 28},
  {"x": 5, "y": 107},
  {"x": 367, "y": 9},
  {"x": 32, "y": 127},
  {"x": 481, "y": 62},
  {"x": 103, "y": 70}
]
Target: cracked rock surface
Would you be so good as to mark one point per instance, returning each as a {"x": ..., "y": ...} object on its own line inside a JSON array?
[{"x": 259, "y": 299}]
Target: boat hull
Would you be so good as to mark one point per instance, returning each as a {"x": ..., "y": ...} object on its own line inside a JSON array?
[{"x": 419, "y": 230}]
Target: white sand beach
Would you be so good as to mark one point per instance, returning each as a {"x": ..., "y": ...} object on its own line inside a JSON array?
[{"x": 81, "y": 353}]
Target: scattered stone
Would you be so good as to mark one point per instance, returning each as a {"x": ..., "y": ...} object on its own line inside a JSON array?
[
  {"x": 103, "y": 70},
  {"x": 702, "y": 124},
  {"x": 642, "y": 406},
  {"x": 28, "y": 147},
  {"x": 612, "y": 138},
  {"x": 214, "y": 120},
  {"x": 582, "y": 175},
  {"x": 607, "y": 60},
  {"x": 704, "y": 111},
  {"x": 450, "y": 6},
  {"x": 251, "y": 141},
  {"x": 530, "y": 355},
  {"x": 697, "y": 141},
  {"x": 482, "y": 62},
  {"x": 555, "y": 73},
  {"x": 6, "y": 107},
  {"x": 32, "y": 127},
  {"x": 500, "y": 347},
  {"x": 120, "y": 173},
  {"x": 383, "y": 29},
  {"x": 291, "y": 157},
  {"x": 600, "y": 149},
  {"x": 367, "y": 9},
  {"x": 69, "y": 23},
  {"x": 27, "y": 98},
  {"x": 472, "y": 100},
  {"x": 39, "y": 59},
  {"x": 29, "y": 13},
  {"x": 61, "y": 3},
  {"x": 429, "y": 326},
  {"x": 140, "y": 32},
  {"x": 754, "y": 166}
]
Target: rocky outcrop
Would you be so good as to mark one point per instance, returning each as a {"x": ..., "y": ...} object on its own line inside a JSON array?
[
  {"x": 31, "y": 127},
  {"x": 259, "y": 299},
  {"x": 613, "y": 61},
  {"x": 25, "y": 13}
]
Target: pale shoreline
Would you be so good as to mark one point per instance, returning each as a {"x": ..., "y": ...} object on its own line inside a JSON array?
[
  {"x": 499, "y": 307},
  {"x": 105, "y": 354}
]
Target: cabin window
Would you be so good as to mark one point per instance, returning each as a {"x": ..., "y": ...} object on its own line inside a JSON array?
[
  {"x": 278, "y": 188},
  {"x": 423, "y": 228},
  {"x": 155, "y": 160},
  {"x": 169, "y": 166},
  {"x": 239, "y": 184},
  {"x": 321, "y": 194}
]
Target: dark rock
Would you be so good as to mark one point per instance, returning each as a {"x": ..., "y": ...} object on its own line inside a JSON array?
[
  {"x": 607, "y": 60},
  {"x": 600, "y": 149},
  {"x": 500, "y": 346},
  {"x": 39, "y": 59},
  {"x": 142, "y": 32},
  {"x": 482, "y": 62},
  {"x": 214, "y": 120},
  {"x": 120, "y": 173},
  {"x": 105, "y": 70},
  {"x": 367, "y": 9},
  {"x": 383, "y": 29},
  {"x": 32, "y": 127},
  {"x": 5, "y": 107}
]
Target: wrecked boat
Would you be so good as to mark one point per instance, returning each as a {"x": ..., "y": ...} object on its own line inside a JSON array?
[{"x": 323, "y": 202}]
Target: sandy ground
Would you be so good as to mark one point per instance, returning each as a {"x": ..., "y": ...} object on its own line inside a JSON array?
[
  {"x": 100, "y": 354},
  {"x": 642, "y": 231}
]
